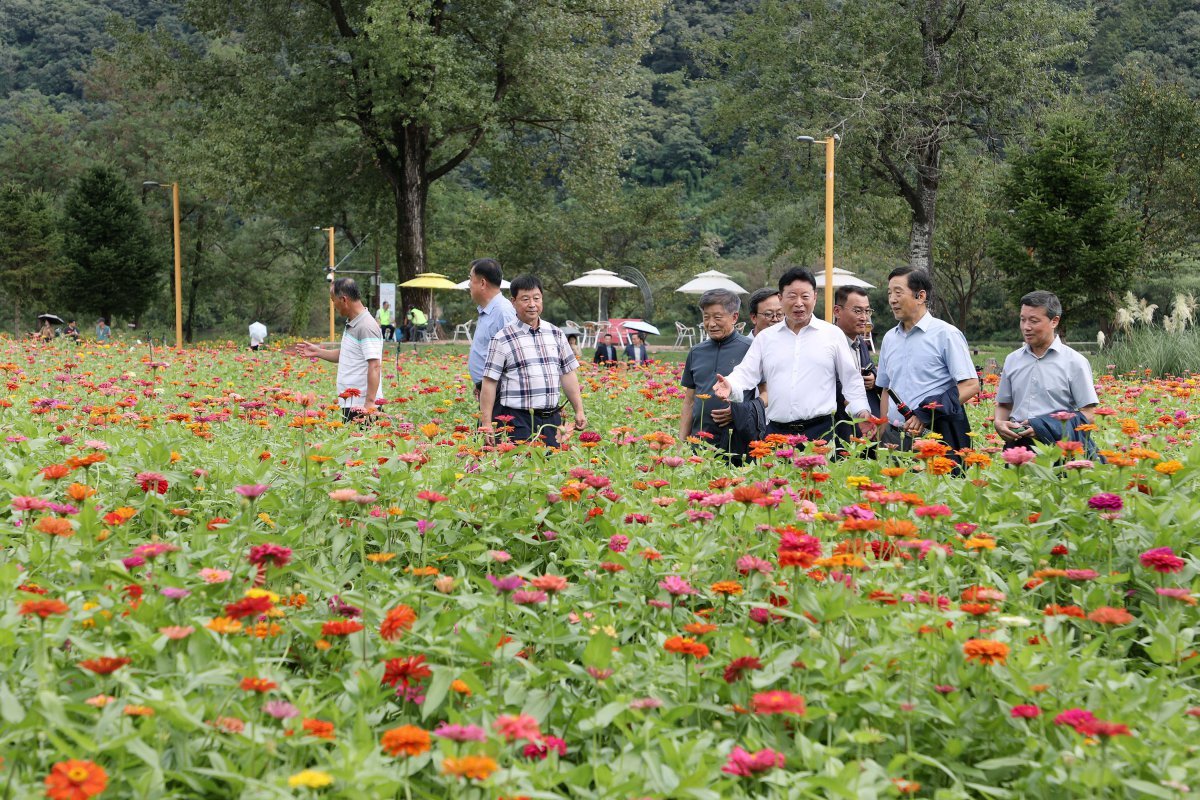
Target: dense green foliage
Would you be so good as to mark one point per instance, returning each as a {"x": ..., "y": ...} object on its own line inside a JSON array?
[
  {"x": 115, "y": 267},
  {"x": 31, "y": 263},
  {"x": 682, "y": 162},
  {"x": 1067, "y": 228}
]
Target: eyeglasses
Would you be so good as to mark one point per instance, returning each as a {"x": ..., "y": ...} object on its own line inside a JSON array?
[
  {"x": 769, "y": 314},
  {"x": 861, "y": 312}
]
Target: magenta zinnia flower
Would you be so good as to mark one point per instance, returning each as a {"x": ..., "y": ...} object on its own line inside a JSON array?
[
  {"x": 1162, "y": 559},
  {"x": 506, "y": 585},
  {"x": 1025, "y": 712},
  {"x": 253, "y": 491},
  {"x": 745, "y": 764},
  {"x": 1105, "y": 501}
]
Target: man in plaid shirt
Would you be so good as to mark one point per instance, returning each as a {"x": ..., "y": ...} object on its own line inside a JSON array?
[{"x": 528, "y": 362}]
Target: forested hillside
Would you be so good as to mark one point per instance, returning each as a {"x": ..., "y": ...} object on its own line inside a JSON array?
[{"x": 660, "y": 153}]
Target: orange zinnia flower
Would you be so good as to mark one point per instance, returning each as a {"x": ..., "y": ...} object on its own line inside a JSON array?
[
  {"x": 986, "y": 651},
  {"x": 75, "y": 780},
  {"x": 1107, "y": 615},
  {"x": 685, "y": 646},
  {"x": 55, "y": 526},
  {"x": 699, "y": 628},
  {"x": 726, "y": 587},
  {"x": 472, "y": 767},
  {"x": 340, "y": 627},
  {"x": 397, "y": 621},
  {"x": 901, "y": 528},
  {"x": 43, "y": 608},
  {"x": 79, "y": 492},
  {"x": 408, "y": 740},
  {"x": 55, "y": 472},
  {"x": 318, "y": 727},
  {"x": 105, "y": 665},
  {"x": 258, "y": 685}
]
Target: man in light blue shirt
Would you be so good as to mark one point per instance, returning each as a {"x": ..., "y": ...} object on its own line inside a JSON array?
[
  {"x": 924, "y": 361},
  {"x": 495, "y": 312}
]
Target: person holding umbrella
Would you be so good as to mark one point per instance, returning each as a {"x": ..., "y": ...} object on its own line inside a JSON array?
[{"x": 45, "y": 333}]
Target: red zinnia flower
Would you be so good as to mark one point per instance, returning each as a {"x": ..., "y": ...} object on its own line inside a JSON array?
[
  {"x": 105, "y": 665},
  {"x": 248, "y": 607},
  {"x": 405, "y": 671},
  {"x": 733, "y": 672},
  {"x": 258, "y": 685}
]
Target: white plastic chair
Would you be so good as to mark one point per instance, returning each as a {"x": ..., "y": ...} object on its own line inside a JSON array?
[
  {"x": 684, "y": 332},
  {"x": 465, "y": 329}
]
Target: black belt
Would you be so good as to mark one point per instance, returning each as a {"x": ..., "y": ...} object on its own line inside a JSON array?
[
  {"x": 539, "y": 413},
  {"x": 802, "y": 424}
]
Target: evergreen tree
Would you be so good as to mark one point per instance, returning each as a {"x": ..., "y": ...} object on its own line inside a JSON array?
[
  {"x": 1066, "y": 229},
  {"x": 31, "y": 262},
  {"x": 115, "y": 268}
]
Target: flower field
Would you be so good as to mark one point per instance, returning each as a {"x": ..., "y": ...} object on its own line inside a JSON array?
[{"x": 211, "y": 588}]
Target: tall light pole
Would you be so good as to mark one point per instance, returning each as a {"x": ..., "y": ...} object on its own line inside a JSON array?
[
  {"x": 332, "y": 277},
  {"x": 830, "y": 143},
  {"x": 178, "y": 256}
]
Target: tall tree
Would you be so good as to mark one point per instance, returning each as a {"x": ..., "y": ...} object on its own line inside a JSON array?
[
  {"x": 115, "y": 267},
  {"x": 398, "y": 94},
  {"x": 31, "y": 262},
  {"x": 898, "y": 80},
  {"x": 1067, "y": 229},
  {"x": 971, "y": 189}
]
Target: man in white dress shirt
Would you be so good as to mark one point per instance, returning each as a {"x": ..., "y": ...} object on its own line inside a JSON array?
[{"x": 800, "y": 360}]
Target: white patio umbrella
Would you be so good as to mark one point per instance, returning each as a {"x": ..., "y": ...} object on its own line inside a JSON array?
[
  {"x": 601, "y": 279},
  {"x": 712, "y": 279},
  {"x": 259, "y": 329},
  {"x": 641, "y": 327},
  {"x": 843, "y": 277},
  {"x": 467, "y": 284}
]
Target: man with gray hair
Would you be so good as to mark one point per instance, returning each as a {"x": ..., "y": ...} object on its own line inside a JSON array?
[
  {"x": 1046, "y": 388},
  {"x": 719, "y": 353},
  {"x": 358, "y": 356}
]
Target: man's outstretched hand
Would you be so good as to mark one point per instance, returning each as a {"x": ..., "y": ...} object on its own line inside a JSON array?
[{"x": 722, "y": 389}]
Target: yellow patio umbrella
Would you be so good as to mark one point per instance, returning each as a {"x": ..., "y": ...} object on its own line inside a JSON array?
[{"x": 430, "y": 280}]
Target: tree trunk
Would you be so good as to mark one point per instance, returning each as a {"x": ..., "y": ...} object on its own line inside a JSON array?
[
  {"x": 194, "y": 289},
  {"x": 410, "y": 185},
  {"x": 924, "y": 209}
]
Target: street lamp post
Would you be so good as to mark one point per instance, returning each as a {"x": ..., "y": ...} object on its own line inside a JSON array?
[
  {"x": 332, "y": 277},
  {"x": 178, "y": 256},
  {"x": 830, "y": 143}
]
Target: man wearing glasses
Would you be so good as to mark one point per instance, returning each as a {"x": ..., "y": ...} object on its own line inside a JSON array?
[
  {"x": 852, "y": 313},
  {"x": 765, "y": 310},
  {"x": 801, "y": 361}
]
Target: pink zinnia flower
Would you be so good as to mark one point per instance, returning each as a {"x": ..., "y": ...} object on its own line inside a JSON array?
[
  {"x": 748, "y": 563},
  {"x": 548, "y": 744},
  {"x": 618, "y": 543},
  {"x": 460, "y": 733},
  {"x": 177, "y": 631},
  {"x": 675, "y": 585},
  {"x": 1025, "y": 712},
  {"x": 1162, "y": 559},
  {"x": 527, "y": 598},
  {"x": 1074, "y": 717},
  {"x": 745, "y": 764},
  {"x": 252, "y": 491},
  {"x": 517, "y": 726},
  {"x": 1016, "y": 456},
  {"x": 209, "y": 575}
]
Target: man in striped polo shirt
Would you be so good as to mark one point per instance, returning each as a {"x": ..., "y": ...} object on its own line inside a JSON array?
[{"x": 358, "y": 356}]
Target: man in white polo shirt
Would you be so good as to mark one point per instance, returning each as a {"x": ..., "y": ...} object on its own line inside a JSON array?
[{"x": 359, "y": 355}]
